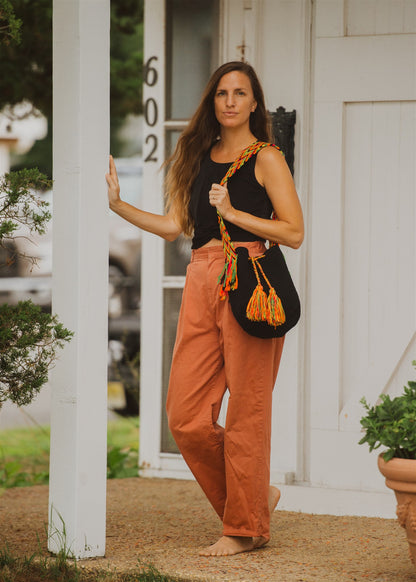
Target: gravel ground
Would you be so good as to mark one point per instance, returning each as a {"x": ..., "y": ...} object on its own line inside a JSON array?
[{"x": 165, "y": 522}]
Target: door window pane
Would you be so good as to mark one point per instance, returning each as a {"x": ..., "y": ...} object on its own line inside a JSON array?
[
  {"x": 171, "y": 304},
  {"x": 192, "y": 53},
  {"x": 177, "y": 253},
  {"x": 177, "y": 256}
]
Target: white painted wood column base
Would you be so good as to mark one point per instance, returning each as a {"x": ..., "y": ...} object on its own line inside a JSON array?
[{"x": 77, "y": 496}]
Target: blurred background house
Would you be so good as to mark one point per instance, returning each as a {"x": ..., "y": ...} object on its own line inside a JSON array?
[{"x": 31, "y": 278}]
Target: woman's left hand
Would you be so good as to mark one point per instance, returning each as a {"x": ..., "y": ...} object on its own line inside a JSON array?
[{"x": 219, "y": 197}]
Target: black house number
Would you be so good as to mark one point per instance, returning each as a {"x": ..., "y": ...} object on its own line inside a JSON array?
[{"x": 150, "y": 108}]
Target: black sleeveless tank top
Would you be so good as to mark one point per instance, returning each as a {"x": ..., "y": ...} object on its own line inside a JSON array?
[{"x": 245, "y": 192}]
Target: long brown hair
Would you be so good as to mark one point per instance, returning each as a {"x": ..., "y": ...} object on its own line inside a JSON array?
[{"x": 201, "y": 133}]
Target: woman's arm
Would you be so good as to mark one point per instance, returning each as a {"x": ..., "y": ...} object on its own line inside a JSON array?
[
  {"x": 164, "y": 226},
  {"x": 273, "y": 173}
]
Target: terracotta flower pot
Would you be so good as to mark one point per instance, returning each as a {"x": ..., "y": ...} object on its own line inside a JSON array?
[{"x": 400, "y": 476}]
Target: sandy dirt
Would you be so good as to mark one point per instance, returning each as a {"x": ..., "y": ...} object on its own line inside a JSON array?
[{"x": 165, "y": 522}]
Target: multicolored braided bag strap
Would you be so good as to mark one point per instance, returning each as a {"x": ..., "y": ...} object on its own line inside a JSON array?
[{"x": 228, "y": 280}]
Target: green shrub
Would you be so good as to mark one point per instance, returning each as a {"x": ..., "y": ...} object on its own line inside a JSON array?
[
  {"x": 392, "y": 424},
  {"x": 29, "y": 338}
]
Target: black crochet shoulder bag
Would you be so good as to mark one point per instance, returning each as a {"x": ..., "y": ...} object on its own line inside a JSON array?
[{"x": 244, "y": 278}]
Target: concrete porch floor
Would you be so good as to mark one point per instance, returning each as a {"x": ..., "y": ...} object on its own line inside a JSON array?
[{"x": 165, "y": 522}]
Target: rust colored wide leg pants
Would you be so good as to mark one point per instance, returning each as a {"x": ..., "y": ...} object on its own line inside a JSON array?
[{"x": 212, "y": 353}]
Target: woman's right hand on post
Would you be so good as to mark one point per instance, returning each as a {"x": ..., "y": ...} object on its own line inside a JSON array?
[
  {"x": 113, "y": 185},
  {"x": 161, "y": 225}
]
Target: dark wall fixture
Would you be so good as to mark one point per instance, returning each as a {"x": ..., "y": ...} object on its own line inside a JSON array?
[{"x": 283, "y": 130}]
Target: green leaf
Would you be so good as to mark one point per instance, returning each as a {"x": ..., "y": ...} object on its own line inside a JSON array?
[
  {"x": 392, "y": 423},
  {"x": 29, "y": 341}
]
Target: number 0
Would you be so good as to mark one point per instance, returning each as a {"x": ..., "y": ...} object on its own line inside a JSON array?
[{"x": 150, "y": 112}]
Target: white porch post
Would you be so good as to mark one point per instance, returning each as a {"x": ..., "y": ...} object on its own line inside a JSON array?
[{"x": 77, "y": 497}]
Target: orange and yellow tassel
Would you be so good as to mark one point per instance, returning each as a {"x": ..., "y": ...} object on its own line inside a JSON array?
[
  {"x": 263, "y": 308},
  {"x": 257, "y": 306},
  {"x": 275, "y": 312}
]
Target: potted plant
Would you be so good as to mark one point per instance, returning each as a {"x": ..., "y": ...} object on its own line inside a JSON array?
[{"x": 391, "y": 423}]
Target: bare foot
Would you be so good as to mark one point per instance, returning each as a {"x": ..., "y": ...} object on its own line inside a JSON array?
[
  {"x": 229, "y": 546},
  {"x": 274, "y": 496}
]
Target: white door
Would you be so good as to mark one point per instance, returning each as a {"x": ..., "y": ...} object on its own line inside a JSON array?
[
  {"x": 362, "y": 303},
  {"x": 181, "y": 50}
]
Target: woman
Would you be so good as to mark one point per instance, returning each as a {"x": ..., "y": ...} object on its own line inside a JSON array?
[{"x": 212, "y": 353}]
